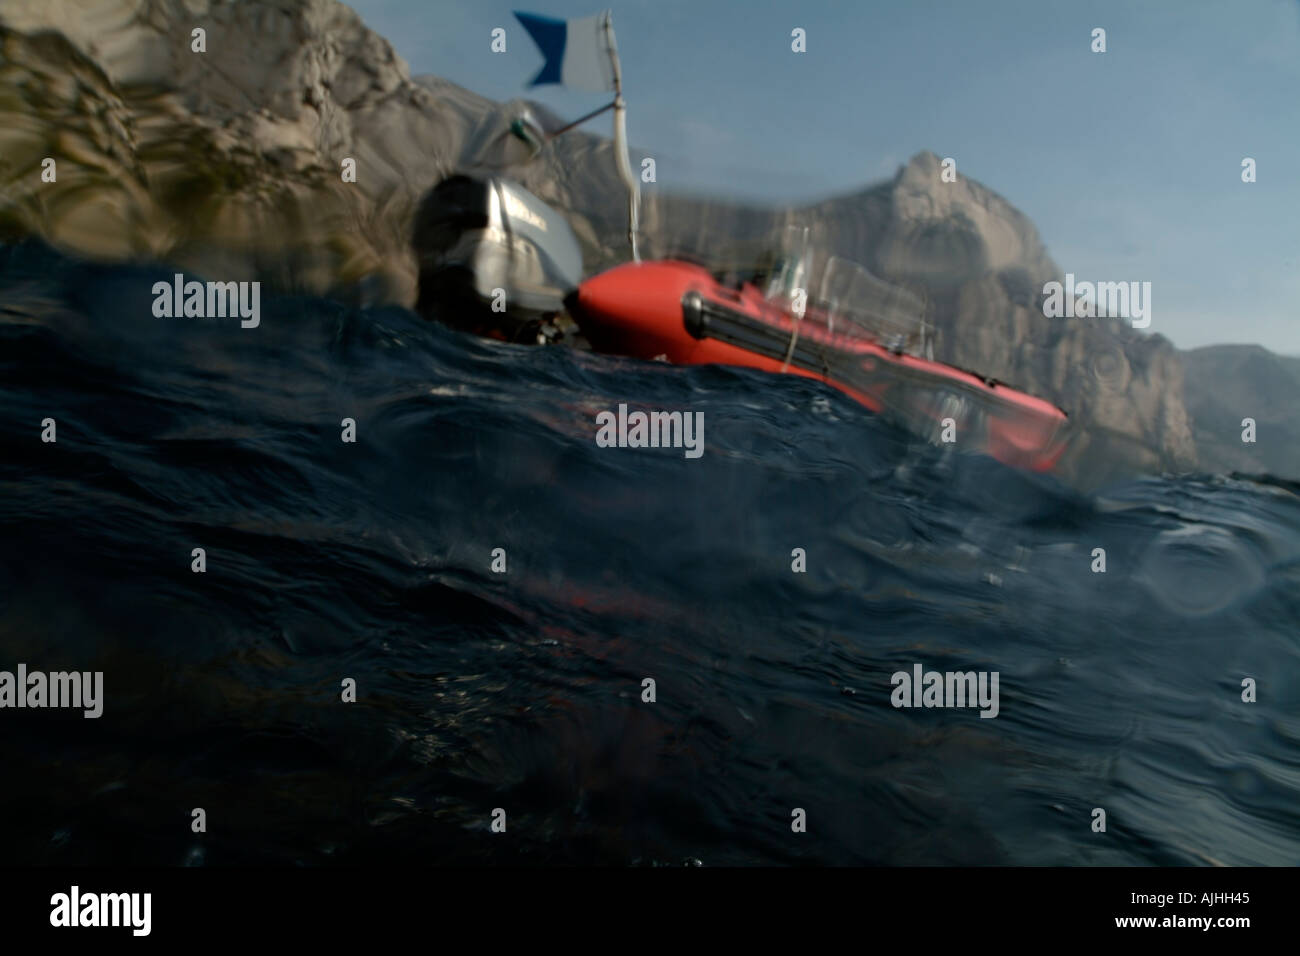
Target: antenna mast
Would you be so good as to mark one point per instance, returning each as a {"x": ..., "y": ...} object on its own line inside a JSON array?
[{"x": 620, "y": 142}]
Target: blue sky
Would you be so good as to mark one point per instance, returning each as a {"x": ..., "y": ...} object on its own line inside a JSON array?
[{"x": 1128, "y": 162}]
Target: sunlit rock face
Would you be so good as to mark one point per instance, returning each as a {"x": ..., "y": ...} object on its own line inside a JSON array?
[
  {"x": 229, "y": 159},
  {"x": 984, "y": 267},
  {"x": 949, "y": 232}
]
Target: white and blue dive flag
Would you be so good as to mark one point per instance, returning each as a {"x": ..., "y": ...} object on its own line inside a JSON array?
[{"x": 578, "y": 53}]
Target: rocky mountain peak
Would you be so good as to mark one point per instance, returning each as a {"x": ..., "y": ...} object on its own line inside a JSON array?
[{"x": 957, "y": 229}]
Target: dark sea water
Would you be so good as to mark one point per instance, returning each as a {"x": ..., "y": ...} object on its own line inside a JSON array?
[{"x": 522, "y": 690}]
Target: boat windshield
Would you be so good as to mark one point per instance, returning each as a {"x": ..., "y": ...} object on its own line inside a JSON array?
[
  {"x": 849, "y": 300},
  {"x": 857, "y": 303},
  {"x": 791, "y": 272}
]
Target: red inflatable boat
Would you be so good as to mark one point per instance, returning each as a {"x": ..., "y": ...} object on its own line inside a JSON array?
[{"x": 862, "y": 336}]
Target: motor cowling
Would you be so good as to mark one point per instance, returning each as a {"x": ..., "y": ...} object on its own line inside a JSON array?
[{"x": 493, "y": 258}]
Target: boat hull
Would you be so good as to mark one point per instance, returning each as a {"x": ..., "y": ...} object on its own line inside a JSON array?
[{"x": 677, "y": 311}]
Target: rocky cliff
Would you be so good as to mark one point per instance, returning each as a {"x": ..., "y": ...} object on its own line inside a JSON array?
[
  {"x": 1226, "y": 384},
  {"x": 229, "y": 162}
]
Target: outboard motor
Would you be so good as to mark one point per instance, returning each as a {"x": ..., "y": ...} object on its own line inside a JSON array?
[{"x": 485, "y": 244}]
